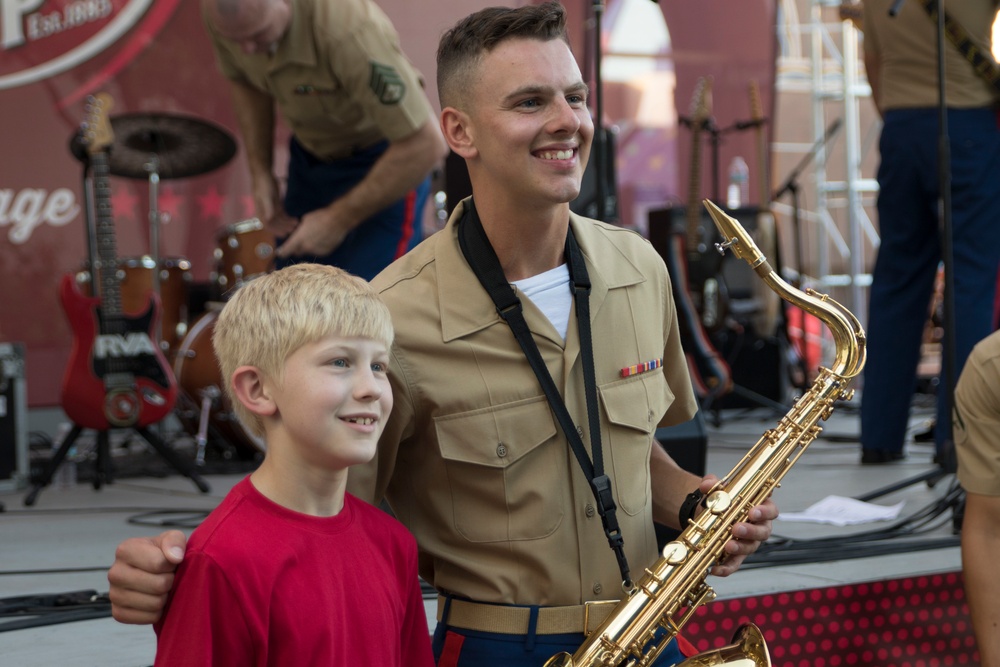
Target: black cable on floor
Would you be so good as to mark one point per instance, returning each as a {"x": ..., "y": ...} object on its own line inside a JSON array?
[
  {"x": 893, "y": 539},
  {"x": 32, "y": 611},
  {"x": 162, "y": 518}
]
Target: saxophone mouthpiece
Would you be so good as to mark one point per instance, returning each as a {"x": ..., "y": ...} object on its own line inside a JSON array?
[{"x": 736, "y": 237}]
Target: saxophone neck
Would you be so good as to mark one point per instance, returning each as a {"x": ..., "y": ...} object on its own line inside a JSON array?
[{"x": 848, "y": 335}]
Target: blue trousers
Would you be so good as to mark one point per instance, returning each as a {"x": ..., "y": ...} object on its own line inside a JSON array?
[
  {"x": 910, "y": 253},
  {"x": 454, "y": 647},
  {"x": 375, "y": 243}
]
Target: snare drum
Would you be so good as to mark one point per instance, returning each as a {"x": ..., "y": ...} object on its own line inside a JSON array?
[
  {"x": 244, "y": 250},
  {"x": 200, "y": 380},
  {"x": 135, "y": 280}
]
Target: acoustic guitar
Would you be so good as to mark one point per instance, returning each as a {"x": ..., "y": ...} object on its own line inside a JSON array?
[{"x": 117, "y": 376}]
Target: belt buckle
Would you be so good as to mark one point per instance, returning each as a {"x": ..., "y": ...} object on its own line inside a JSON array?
[{"x": 586, "y": 613}]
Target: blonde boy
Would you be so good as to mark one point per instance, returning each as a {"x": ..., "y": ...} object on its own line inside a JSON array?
[{"x": 290, "y": 569}]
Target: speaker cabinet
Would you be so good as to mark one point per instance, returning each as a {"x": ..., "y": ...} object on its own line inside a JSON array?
[
  {"x": 687, "y": 444},
  {"x": 757, "y": 362},
  {"x": 13, "y": 418}
]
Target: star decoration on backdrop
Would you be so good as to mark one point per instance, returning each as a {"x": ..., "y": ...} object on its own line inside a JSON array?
[
  {"x": 123, "y": 202},
  {"x": 210, "y": 203},
  {"x": 169, "y": 204},
  {"x": 173, "y": 205}
]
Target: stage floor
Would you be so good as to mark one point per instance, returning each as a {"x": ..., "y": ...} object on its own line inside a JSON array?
[{"x": 66, "y": 540}]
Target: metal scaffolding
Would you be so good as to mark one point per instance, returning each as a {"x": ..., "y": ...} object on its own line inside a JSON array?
[{"x": 819, "y": 62}]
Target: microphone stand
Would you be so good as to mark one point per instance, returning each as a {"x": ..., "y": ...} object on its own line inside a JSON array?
[
  {"x": 600, "y": 145},
  {"x": 791, "y": 185}
]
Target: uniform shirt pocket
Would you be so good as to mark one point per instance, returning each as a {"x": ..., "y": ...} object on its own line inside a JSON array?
[
  {"x": 504, "y": 467},
  {"x": 633, "y": 408}
]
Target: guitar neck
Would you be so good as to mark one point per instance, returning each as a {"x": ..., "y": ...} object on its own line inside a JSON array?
[
  {"x": 693, "y": 210},
  {"x": 764, "y": 188},
  {"x": 760, "y": 129},
  {"x": 107, "y": 254}
]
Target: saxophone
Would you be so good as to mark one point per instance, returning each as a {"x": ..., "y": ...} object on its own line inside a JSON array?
[{"x": 671, "y": 589}]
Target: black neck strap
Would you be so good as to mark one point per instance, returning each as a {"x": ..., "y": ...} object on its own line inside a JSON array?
[{"x": 485, "y": 264}]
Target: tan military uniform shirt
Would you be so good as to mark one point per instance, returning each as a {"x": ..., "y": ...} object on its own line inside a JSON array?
[
  {"x": 907, "y": 48},
  {"x": 473, "y": 461},
  {"x": 977, "y": 419},
  {"x": 338, "y": 76}
]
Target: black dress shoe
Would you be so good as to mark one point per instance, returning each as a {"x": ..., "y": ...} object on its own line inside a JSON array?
[
  {"x": 927, "y": 435},
  {"x": 877, "y": 456}
]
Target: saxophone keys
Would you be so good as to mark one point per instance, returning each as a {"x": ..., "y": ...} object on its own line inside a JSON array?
[
  {"x": 718, "y": 501},
  {"x": 675, "y": 553}
]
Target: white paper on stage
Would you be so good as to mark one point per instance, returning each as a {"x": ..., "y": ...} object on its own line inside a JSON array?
[{"x": 841, "y": 511}]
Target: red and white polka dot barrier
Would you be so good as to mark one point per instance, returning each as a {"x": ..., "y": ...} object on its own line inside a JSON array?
[{"x": 912, "y": 622}]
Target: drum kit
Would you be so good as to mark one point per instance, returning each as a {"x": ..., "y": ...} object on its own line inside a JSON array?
[{"x": 159, "y": 146}]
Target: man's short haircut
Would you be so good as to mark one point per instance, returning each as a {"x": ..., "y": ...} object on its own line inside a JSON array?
[
  {"x": 462, "y": 48},
  {"x": 270, "y": 317}
]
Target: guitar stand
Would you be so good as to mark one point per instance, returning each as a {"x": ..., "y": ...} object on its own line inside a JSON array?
[{"x": 102, "y": 468}]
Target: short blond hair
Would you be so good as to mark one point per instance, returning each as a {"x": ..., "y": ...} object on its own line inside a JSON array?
[{"x": 272, "y": 316}]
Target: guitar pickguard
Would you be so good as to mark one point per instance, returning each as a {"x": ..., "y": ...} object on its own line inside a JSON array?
[
  {"x": 116, "y": 379},
  {"x": 130, "y": 352}
]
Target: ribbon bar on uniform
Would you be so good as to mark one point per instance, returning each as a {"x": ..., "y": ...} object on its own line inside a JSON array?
[{"x": 641, "y": 368}]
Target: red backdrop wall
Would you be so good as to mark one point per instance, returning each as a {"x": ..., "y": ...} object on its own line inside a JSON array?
[{"x": 151, "y": 57}]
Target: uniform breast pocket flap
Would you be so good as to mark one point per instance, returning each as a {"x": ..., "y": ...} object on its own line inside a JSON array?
[
  {"x": 633, "y": 407},
  {"x": 506, "y": 471}
]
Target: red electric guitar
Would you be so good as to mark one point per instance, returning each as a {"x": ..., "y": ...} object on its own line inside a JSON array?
[{"x": 117, "y": 376}]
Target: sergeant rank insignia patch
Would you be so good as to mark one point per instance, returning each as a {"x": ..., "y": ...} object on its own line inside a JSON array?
[{"x": 386, "y": 84}]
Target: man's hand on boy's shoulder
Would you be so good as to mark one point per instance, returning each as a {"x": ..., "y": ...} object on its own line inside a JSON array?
[{"x": 142, "y": 576}]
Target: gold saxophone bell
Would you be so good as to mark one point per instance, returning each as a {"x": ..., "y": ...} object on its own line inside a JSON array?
[{"x": 747, "y": 650}]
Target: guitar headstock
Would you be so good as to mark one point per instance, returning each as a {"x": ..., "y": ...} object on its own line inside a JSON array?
[
  {"x": 701, "y": 102},
  {"x": 97, "y": 132}
]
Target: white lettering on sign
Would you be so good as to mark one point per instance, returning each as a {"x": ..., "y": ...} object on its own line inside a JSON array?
[
  {"x": 26, "y": 209},
  {"x": 118, "y": 346},
  {"x": 12, "y": 13},
  {"x": 74, "y": 14},
  {"x": 20, "y": 25},
  {"x": 19, "y": 15}
]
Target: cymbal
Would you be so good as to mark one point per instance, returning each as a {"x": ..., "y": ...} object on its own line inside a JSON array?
[{"x": 183, "y": 146}]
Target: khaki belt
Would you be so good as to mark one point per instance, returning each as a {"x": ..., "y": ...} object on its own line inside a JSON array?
[{"x": 509, "y": 620}]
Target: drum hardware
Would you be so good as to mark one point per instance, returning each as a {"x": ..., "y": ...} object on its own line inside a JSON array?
[
  {"x": 153, "y": 146},
  {"x": 136, "y": 276},
  {"x": 130, "y": 386},
  {"x": 209, "y": 395},
  {"x": 244, "y": 250},
  {"x": 184, "y": 146},
  {"x": 200, "y": 381}
]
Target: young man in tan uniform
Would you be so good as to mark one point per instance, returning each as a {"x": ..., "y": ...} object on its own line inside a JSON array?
[
  {"x": 473, "y": 460},
  {"x": 364, "y": 136},
  {"x": 977, "y": 444}
]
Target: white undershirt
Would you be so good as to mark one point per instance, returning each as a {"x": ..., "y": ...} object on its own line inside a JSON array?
[{"x": 550, "y": 292}]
